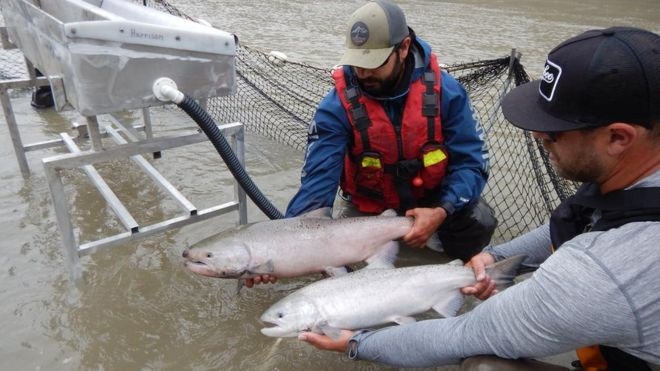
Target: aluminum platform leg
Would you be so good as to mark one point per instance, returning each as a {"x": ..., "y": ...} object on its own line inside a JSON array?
[{"x": 13, "y": 132}]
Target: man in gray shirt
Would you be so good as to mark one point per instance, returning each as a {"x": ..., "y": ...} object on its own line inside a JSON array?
[{"x": 596, "y": 111}]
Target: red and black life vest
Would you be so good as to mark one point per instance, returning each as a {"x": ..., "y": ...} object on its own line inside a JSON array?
[
  {"x": 573, "y": 217},
  {"x": 393, "y": 166}
]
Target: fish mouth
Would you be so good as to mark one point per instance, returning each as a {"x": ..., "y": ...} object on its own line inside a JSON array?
[
  {"x": 199, "y": 267},
  {"x": 204, "y": 269},
  {"x": 279, "y": 332}
]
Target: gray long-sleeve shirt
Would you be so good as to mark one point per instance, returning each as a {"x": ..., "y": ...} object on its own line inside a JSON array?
[{"x": 598, "y": 288}]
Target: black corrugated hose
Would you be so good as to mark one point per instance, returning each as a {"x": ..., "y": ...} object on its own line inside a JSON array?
[{"x": 210, "y": 128}]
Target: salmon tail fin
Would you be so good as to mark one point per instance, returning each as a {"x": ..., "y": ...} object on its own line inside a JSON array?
[{"x": 504, "y": 271}]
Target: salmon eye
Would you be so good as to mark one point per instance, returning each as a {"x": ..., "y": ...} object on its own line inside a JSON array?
[
  {"x": 280, "y": 314},
  {"x": 209, "y": 255}
]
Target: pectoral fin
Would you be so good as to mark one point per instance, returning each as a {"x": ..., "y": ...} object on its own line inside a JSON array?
[
  {"x": 265, "y": 268},
  {"x": 325, "y": 328},
  {"x": 239, "y": 286},
  {"x": 450, "y": 305}
]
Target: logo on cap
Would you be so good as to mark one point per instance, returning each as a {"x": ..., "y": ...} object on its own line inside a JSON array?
[
  {"x": 549, "y": 80},
  {"x": 359, "y": 33}
]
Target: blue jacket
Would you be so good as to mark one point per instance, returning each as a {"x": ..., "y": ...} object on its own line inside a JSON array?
[{"x": 330, "y": 133}]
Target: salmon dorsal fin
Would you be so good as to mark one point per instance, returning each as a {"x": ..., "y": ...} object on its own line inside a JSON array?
[
  {"x": 388, "y": 212},
  {"x": 324, "y": 212},
  {"x": 456, "y": 263}
]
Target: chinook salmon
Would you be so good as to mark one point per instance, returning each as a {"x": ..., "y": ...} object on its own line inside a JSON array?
[
  {"x": 373, "y": 297},
  {"x": 311, "y": 243}
]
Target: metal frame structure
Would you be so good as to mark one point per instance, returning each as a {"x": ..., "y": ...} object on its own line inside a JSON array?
[
  {"x": 133, "y": 149},
  {"x": 129, "y": 142}
]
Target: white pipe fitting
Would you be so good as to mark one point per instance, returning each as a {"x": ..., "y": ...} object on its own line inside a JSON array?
[{"x": 165, "y": 90}]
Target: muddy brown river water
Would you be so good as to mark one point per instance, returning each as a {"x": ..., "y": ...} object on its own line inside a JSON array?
[{"x": 137, "y": 308}]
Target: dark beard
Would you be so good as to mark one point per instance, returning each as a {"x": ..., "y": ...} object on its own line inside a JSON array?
[{"x": 386, "y": 87}]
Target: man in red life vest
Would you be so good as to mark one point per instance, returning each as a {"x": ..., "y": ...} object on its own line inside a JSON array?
[{"x": 397, "y": 132}]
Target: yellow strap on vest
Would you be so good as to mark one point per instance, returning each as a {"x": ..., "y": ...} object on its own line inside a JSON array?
[
  {"x": 434, "y": 157},
  {"x": 591, "y": 359},
  {"x": 368, "y": 161}
]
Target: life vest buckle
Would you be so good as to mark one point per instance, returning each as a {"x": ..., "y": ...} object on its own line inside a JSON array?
[{"x": 406, "y": 169}]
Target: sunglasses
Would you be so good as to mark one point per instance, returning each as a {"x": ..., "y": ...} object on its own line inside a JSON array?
[
  {"x": 394, "y": 50},
  {"x": 553, "y": 135}
]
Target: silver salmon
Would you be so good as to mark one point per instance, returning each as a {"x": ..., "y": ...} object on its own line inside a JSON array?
[
  {"x": 311, "y": 243},
  {"x": 373, "y": 297}
]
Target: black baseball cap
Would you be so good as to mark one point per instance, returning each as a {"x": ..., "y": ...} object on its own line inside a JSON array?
[{"x": 594, "y": 79}]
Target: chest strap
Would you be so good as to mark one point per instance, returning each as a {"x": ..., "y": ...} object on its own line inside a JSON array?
[
  {"x": 430, "y": 103},
  {"x": 574, "y": 215},
  {"x": 358, "y": 114}
]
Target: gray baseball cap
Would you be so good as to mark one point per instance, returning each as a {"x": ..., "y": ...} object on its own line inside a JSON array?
[{"x": 373, "y": 31}]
